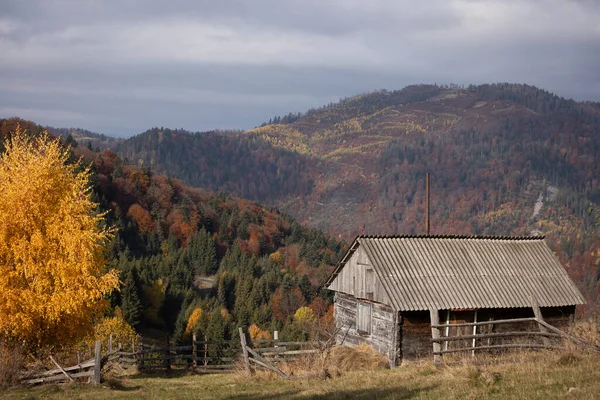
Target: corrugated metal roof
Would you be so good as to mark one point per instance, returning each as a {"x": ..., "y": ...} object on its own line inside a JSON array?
[{"x": 450, "y": 272}]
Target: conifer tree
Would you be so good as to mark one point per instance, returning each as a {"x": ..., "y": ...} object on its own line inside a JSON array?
[{"x": 130, "y": 298}]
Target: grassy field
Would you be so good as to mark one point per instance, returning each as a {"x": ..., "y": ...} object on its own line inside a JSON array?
[{"x": 523, "y": 376}]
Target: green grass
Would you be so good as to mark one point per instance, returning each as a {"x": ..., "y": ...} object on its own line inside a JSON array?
[{"x": 524, "y": 376}]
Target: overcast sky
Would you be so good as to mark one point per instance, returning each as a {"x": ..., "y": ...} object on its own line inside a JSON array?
[{"x": 121, "y": 67}]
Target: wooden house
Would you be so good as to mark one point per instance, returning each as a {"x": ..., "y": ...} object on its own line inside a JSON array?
[{"x": 391, "y": 291}]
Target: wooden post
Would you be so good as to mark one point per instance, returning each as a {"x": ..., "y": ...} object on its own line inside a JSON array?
[
  {"x": 141, "y": 357},
  {"x": 538, "y": 315},
  {"x": 205, "y": 361},
  {"x": 167, "y": 355},
  {"x": 110, "y": 343},
  {"x": 245, "y": 352},
  {"x": 194, "y": 351},
  {"x": 447, "y": 329},
  {"x": 97, "y": 362},
  {"x": 435, "y": 334},
  {"x": 275, "y": 338},
  {"x": 78, "y": 357},
  {"x": 474, "y": 333},
  {"x": 133, "y": 345}
]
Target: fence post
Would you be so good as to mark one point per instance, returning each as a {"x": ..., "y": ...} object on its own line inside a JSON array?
[
  {"x": 141, "y": 357},
  {"x": 194, "y": 351},
  {"x": 435, "y": 334},
  {"x": 168, "y": 355},
  {"x": 97, "y": 362},
  {"x": 275, "y": 338},
  {"x": 205, "y": 362},
  {"x": 245, "y": 352}
]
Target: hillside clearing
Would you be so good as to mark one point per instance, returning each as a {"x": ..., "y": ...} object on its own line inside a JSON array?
[{"x": 524, "y": 376}]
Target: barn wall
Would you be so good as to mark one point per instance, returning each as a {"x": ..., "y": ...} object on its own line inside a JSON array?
[
  {"x": 383, "y": 335},
  {"x": 359, "y": 279},
  {"x": 416, "y": 335}
]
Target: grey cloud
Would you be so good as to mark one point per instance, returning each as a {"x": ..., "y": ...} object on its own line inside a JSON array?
[{"x": 121, "y": 67}]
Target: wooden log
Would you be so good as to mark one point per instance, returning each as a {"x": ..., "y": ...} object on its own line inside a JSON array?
[
  {"x": 97, "y": 363},
  {"x": 502, "y": 346},
  {"x": 61, "y": 369},
  {"x": 257, "y": 358},
  {"x": 83, "y": 365},
  {"x": 566, "y": 335},
  {"x": 494, "y": 335},
  {"x": 110, "y": 343},
  {"x": 60, "y": 377},
  {"x": 435, "y": 334},
  {"x": 244, "y": 352},
  {"x": 290, "y": 352},
  {"x": 493, "y": 322}
]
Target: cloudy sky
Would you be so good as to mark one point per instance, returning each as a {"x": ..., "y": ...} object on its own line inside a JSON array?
[{"x": 121, "y": 67}]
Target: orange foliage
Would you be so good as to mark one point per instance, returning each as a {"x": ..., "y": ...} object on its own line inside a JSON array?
[
  {"x": 257, "y": 334},
  {"x": 142, "y": 218},
  {"x": 286, "y": 302},
  {"x": 319, "y": 306}
]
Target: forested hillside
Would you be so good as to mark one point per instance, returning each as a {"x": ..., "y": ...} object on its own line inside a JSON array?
[
  {"x": 504, "y": 158},
  {"x": 194, "y": 261},
  {"x": 222, "y": 161}
]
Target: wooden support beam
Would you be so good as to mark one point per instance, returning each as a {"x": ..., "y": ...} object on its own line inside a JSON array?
[
  {"x": 435, "y": 334},
  {"x": 474, "y": 334},
  {"x": 538, "y": 316},
  {"x": 492, "y": 322}
]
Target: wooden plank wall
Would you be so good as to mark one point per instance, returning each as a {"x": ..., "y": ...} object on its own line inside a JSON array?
[
  {"x": 358, "y": 279},
  {"x": 383, "y": 325}
]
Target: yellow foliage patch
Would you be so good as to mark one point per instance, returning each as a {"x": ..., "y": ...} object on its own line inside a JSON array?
[
  {"x": 53, "y": 277},
  {"x": 116, "y": 326},
  {"x": 193, "y": 321}
]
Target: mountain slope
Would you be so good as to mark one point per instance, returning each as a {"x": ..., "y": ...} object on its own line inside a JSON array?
[{"x": 504, "y": 159}]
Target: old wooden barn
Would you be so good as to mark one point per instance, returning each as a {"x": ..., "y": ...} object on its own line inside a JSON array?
[{"x": 390, "y": 290}]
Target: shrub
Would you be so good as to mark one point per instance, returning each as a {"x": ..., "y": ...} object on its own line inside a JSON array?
[{"x": 11, "y": 364}]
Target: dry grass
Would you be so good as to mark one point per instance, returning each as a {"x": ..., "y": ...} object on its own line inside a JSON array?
[
  {"x": 526, "y": 375},
  {"x": 11, "y": 364}
]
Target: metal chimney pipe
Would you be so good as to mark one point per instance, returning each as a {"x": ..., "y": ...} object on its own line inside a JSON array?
[{"x": 428, "y": 203}]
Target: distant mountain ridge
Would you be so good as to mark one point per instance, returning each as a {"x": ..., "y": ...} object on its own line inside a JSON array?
[{"x": 505, "y": 159}]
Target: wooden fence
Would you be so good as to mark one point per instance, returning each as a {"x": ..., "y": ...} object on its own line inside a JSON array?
[
  {"x": 90, "y": 369},
  {"x": 545, "y": 337}
]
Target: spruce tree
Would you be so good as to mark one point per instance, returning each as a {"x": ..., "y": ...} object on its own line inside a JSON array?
[{"x": 130, "y": 298}]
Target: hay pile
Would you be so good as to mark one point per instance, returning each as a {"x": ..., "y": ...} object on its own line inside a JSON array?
[{"x": 359, "y": 358}]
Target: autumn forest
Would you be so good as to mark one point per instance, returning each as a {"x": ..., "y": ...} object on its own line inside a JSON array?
[{"x": 215, "y": 230}]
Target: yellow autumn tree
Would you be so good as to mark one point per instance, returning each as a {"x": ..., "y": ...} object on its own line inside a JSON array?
[
  {"x": 53, "y": 277},
  {"x": 193, "y": 321},
  {"x": 116, "y": 326}
]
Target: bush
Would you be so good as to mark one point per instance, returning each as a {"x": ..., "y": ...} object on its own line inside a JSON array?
[{"x": 11, "y": 364}]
